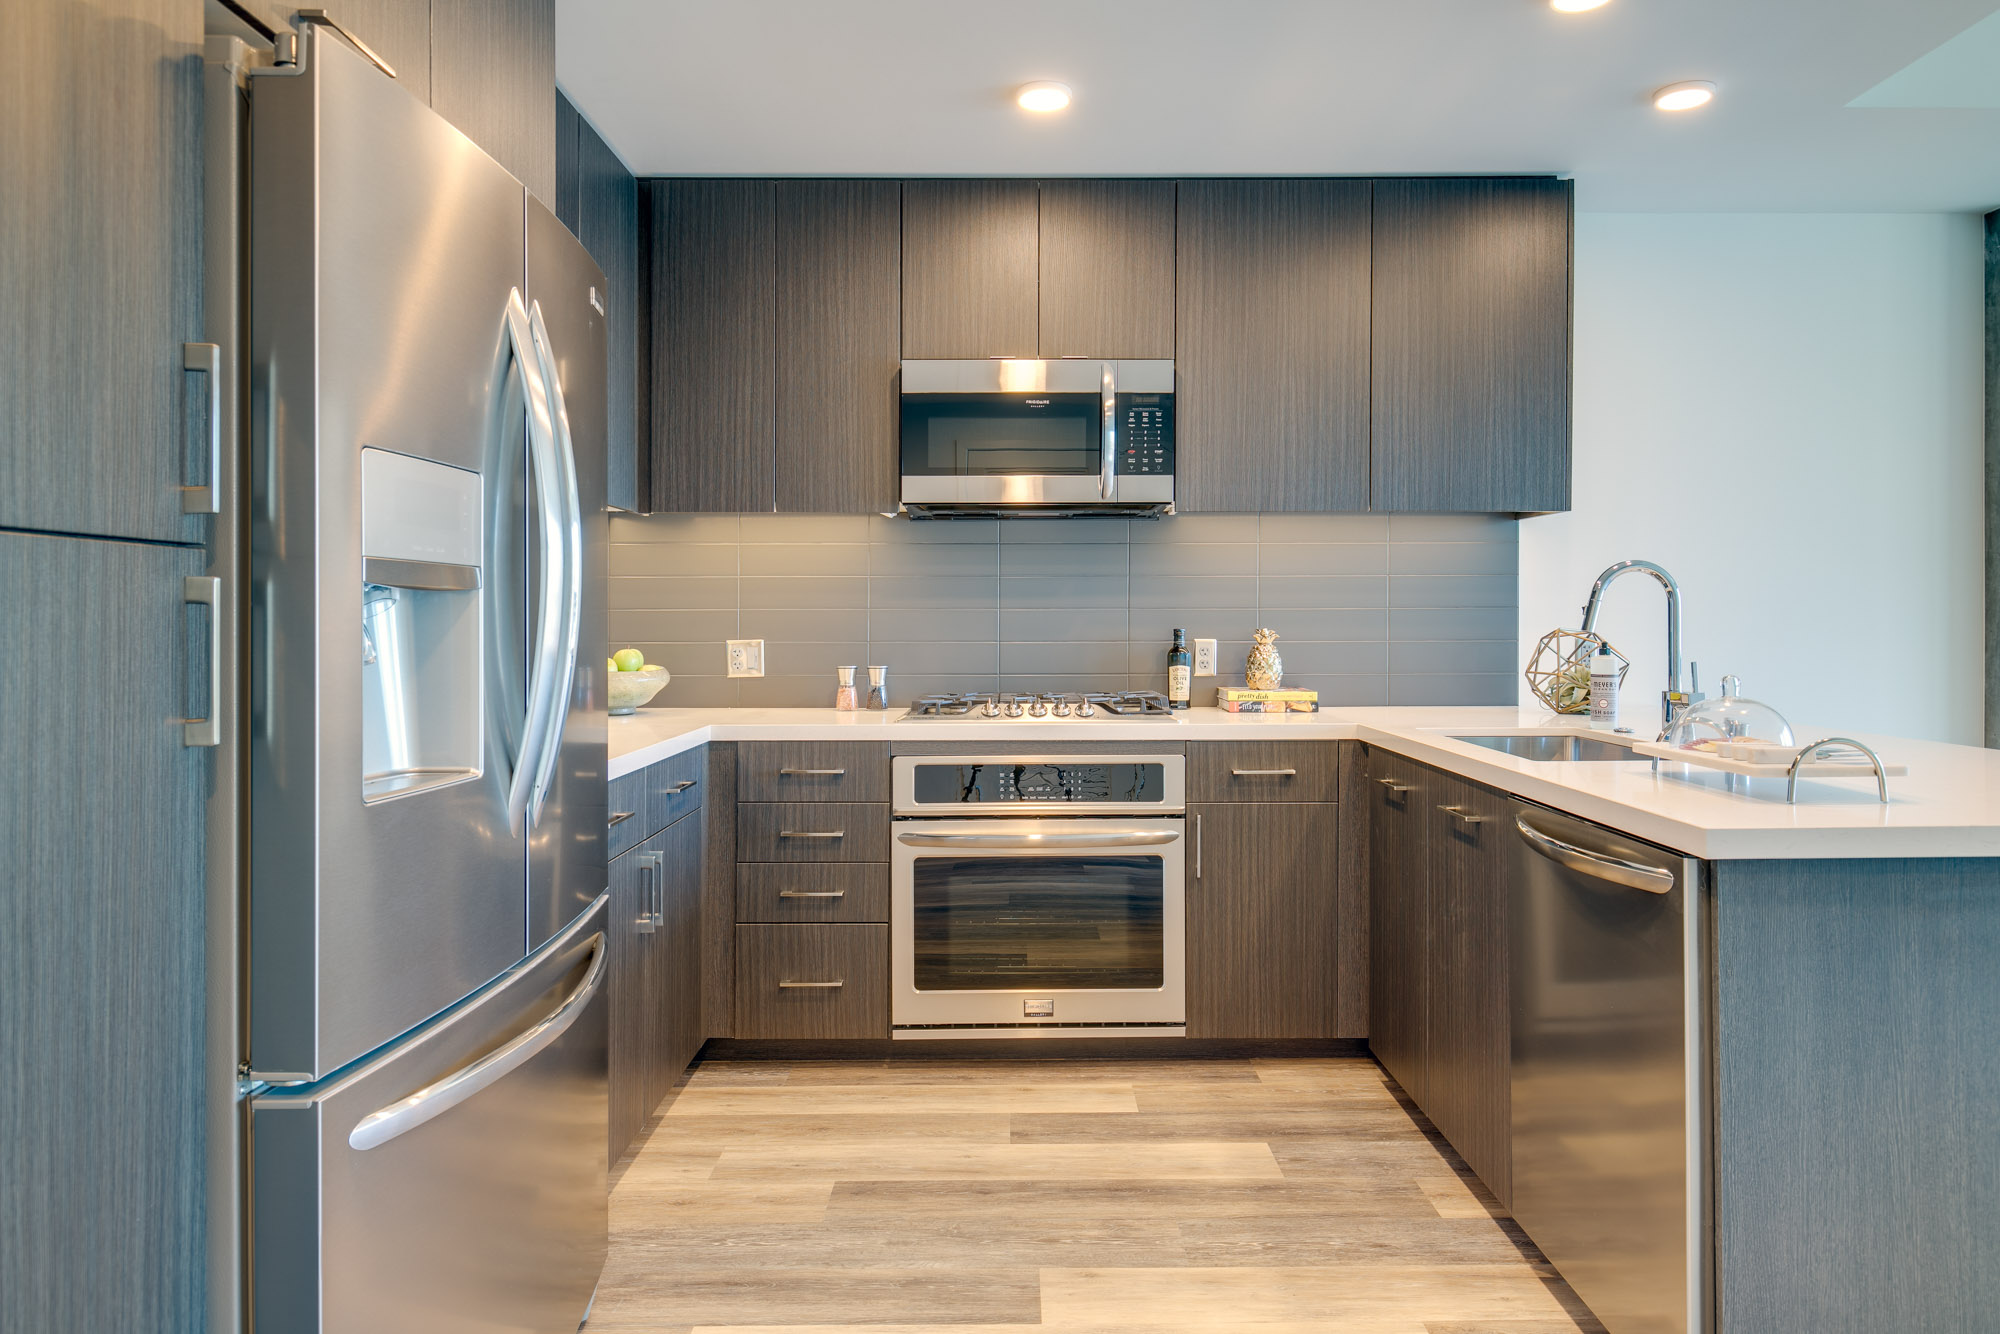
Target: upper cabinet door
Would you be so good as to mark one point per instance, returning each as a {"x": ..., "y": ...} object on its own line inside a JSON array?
[
  {"x": 1107, "y": 269},
  {"x": 493, "y": 75},
  {"x": 839, "y": 337},
  {"x": 102, "y": 217},
  {"x": 1471, "y": 345},
  {"x": 607, "y": 202},
  {"x": 714, "y": 414},
  {"x": 1271, "y": 345},
  {"x": 969, "y": 269}
]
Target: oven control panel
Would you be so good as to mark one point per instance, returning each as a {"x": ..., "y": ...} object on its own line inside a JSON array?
[{"x": 1002, "y": 784}]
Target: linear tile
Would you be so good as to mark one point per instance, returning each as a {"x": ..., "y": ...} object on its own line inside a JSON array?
[
  {"x": 904, "y": 687},
  {"x": 792, "y": 658},
  {"x": 958, "y": 624},
  {"x": 1334, "y": 659},
  {"x": 1453, "y": 557},
  {"x": 1452, "y": 657},
  {"x": 1352, "y": 692},
  {"x": 1200, "y": 558},
  {"x": 925, "y": 531},
  {"x": 710, "y": 593},
  {"x": 1188, "y": 590},
  {"x": 1323, "y": 558},
  {"x": 1067, "y": 560},
  {"x": 1323, "y": 527},
  {"x": 1453, "y": 528},
  {"x": 676, "y": 528},
  {"x": 934, "y": 558},
  {"x": 935, "y": 659},
  {"x": 1077, "y": 683},
  {"x": 804, "y": 592},
  {"x": 1056, "y": 591},
  {"x": 1062, "y": 623},
  {"x": 1066, "y": 532},
  {"x": 814, "y": 558},
  {"x": 1197, "y": 528},
  {"x": 682, "y": 660},
  {"x": 1055, "y": 659},
  {"x": 1329, "y": 624},
  {"x": 1493, "y": 590},
  {"x": 699, "y": 692},
  {"x": 787, "y": 528},
  {"x": 672, "y": 627},
  {"x": 1489, "y": 623},
  {"x": 776, "y": 624},
  {"x": 1153, "y": 627},
  {"x": 915, "y": 590},
  {"x": 662, "y": 560},
  {"x": 1327, "y": 591}
]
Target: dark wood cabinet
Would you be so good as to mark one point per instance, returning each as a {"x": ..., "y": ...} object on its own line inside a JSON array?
[
  {"x": 1262, "y": 920},
  {"x": 821, "y": 981},
  {"x": 1271, "y": 345},
  {"x": 493, "y": 75},
  {"x": 1465, "y": 970},
  {"x": 813, "y": 771},
  {"x": 1471, "y": 345},
  {"x": 102, "y": 215},
  {"x": 1107, "y": 269},
  {"x": 1398, "y": 791},
  {"x": 101, "y": 936},
  {"x": 676, "y": 975},
  {"x": 970, "y": 268},
  {"x": 633, "y": 1035},
  {"x": 839, "y": 341},
  {"x": 713, "y": 345},
  {"x": 607, "y": 222}
]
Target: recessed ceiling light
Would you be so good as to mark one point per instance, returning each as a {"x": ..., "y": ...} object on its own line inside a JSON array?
[
  {"x": 1684, "y": 96},
  {"x": 1043, "y": 95},
  {"x": 1576, "y": 6}
]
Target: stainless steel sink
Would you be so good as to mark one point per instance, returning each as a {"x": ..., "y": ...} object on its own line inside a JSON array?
[{"x": 1553, "y": 746}]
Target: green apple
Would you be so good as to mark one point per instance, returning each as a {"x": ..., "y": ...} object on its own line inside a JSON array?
[
  {"x": 611, "y": 664},
  {"x": 628, "y": 660}
]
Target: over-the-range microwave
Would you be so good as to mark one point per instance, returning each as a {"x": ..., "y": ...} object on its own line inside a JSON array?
[{"x": 1014, "y": 437}]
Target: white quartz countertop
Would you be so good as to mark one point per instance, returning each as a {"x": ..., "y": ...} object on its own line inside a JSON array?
[{"x": 1947, "y": 806}]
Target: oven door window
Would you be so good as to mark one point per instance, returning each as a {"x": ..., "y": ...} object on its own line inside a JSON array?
[
  {"x": 1002, "y": 435},
  {"x": 1039, "y": 923}
]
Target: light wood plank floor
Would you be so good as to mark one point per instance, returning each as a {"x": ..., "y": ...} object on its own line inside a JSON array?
[{"x": 1090, "y": 1197}]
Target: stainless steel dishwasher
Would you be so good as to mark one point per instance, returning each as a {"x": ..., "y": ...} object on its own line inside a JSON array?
[{"x": 1610, "y": 1160}]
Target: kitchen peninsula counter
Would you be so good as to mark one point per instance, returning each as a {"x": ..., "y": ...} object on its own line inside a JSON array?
[{"x": 1947, "y": 806}]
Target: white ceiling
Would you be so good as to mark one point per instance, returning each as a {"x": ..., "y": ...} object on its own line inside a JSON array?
[{"x": 1255, "y": 87}]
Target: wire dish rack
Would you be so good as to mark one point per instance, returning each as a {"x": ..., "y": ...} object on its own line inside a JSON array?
[{"x": 1853, "y": 760}]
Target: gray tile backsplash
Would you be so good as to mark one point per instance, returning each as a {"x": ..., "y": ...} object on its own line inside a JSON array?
[{"x": 1369, "y": 608}]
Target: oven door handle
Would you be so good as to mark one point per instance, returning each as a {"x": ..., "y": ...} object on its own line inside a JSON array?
[{"x": 1135, "y": 839}]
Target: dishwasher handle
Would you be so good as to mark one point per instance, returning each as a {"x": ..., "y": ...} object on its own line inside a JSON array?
[{"x": 1598, "y": 865}]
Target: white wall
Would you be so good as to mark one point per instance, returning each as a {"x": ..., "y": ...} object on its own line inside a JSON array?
[{"x": 1785, "y": 411}]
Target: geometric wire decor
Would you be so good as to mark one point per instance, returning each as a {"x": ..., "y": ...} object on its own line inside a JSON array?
[{"x": 1559, "y": 671}]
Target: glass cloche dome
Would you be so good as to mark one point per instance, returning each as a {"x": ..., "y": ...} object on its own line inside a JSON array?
[{"x": 1729, "y": 717}]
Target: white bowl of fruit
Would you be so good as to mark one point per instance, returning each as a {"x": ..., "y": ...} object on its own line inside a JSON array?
[{"x": 633, "y": 680}]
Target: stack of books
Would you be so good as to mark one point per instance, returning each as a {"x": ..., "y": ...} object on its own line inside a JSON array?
[{"x": 1242, "y": 699}]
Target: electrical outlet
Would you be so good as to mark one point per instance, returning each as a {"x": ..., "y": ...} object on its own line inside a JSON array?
[
  {"x": 1204, "y": 657},
  {"x": 746, "y": 657}
]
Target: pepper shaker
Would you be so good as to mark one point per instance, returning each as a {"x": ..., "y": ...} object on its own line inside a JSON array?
[
  {"x": 878, "y": 687},
  {"x": 843, "y": 695}
]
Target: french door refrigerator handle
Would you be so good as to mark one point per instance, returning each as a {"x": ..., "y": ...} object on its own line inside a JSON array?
[
  {"x": 1599, "y": 865},
  {"x": 433, "y": 1100},
  {"x": 568, "y": 507},
  {"x": 541, "y": 457}
]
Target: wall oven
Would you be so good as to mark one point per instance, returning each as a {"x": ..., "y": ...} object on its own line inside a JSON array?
[
  {"x": 1038, "y": 896},
  {"x": 1013, "y": 436}
]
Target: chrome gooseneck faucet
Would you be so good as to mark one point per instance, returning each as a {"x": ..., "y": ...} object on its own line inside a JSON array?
[{"x": 1673, "y": 700}]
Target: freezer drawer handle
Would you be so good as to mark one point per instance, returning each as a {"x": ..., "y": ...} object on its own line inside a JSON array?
[
  {"x": 378, "y": 1128},
  {"x": 806, "y": 833},
  {"x": 813, "y": 773},
  {"x": 1603, "y": 866},
  {"x": 1126, "y": 840},
  {"x": 812, "y": 893},
  {"x": 1265, "y": 773},
  {"x": 811, "y": 985}
]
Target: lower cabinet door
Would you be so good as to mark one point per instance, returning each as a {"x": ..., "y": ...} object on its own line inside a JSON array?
[
  {"x": 818, "y": 981},
  {"x": 1399, "y": 903},
  {"x": 674, "y": 974},
  {"x": 1261, "y": 920},
  {"x": 632, "y": 1033}
]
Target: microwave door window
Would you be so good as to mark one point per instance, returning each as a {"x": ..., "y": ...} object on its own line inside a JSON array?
[
  {"x": 1039, "y": 923},
  {"x": 947, "y": 435}
]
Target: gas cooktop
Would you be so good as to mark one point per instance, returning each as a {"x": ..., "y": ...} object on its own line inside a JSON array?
[{"x": 1042, "y": 707}]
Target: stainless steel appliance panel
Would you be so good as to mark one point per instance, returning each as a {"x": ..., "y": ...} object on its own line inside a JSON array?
[
  {"x": 455, "y": 1183},
  {"x": 386, "y": 250},
  {"x": 566, "y": 839},
  {"x": 960, "y": 785},
  {"x": 1607, "y": 1086}
]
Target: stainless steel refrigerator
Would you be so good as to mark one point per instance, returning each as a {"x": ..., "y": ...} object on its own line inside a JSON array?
[{"x": 425, "y": 732}]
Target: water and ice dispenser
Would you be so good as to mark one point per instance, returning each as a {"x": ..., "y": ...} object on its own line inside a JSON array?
[{"x": 421, "y": 625}]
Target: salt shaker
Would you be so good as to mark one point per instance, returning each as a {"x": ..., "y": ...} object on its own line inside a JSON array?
[
  {"x": 878, "y": 687},
  {"x": 843, "y": 695}
]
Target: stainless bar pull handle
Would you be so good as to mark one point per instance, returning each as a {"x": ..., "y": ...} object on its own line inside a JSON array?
[
  {"x": 1463, "y": 815},
  {"x": 1127, "y": 840},
  {"x": 680, "y": 787},
  {"x": 618, "y": 818},
  {"x": 813, "y": 773},
  {"x": 1107, "y": 479},
  {"x": 659, "y": 888},
  {"x": 1395, "y": 786},
  {"x": 808, "y": 833},
  {"x": 812, "y": 893},
  {"x": 378, "y": 1128},
  {"x": 1601, "y": 865},
  {"x": 812, "y": 986},
  {"x": 1264, "y": 773},
  {"x": 1197, "y": 845},
  {"x": 206, "y": 590},
  {"x": 207, "y": 498},
  {"x": 647, "y": 920}
]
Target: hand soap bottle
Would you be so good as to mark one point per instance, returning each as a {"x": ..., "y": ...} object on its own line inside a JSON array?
[
  {"x": 1180, "y": 671},
  {"x": 1603, "y": 689}
]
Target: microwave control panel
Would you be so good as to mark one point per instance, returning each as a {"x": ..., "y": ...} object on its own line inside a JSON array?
[{"x": 1146, "y": 435}]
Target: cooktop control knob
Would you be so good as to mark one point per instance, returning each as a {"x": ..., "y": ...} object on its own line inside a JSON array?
[
  {"x": 1038, "y": 709},
  {"x": 1086, "y": 710},
  {"x": 992, "y": 709},
  {"x": 1062, "y": 708},
  {"x": 1013, "y": 708}
]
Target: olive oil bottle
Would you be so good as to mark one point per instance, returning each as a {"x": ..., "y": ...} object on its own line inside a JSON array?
[{"x": 1180, "y": 671}]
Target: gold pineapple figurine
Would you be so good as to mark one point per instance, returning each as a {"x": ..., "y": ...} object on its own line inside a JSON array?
[{"x": 1264, "y": 668}]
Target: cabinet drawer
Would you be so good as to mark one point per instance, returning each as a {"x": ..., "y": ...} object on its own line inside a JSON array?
[
  {"x": 812, "y": 892},
  {"x": 812, "y": 771},
  {"x": 819, "y": 981},
  {"x": 628, "y": 820},
  {"x": 676, "y": 785},
  {"x": 804, "y": 831},
  {"x": 1263, "y": 771}
]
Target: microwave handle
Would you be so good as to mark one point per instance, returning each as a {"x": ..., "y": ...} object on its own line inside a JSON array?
[{"x": 1107, "y": 480}]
